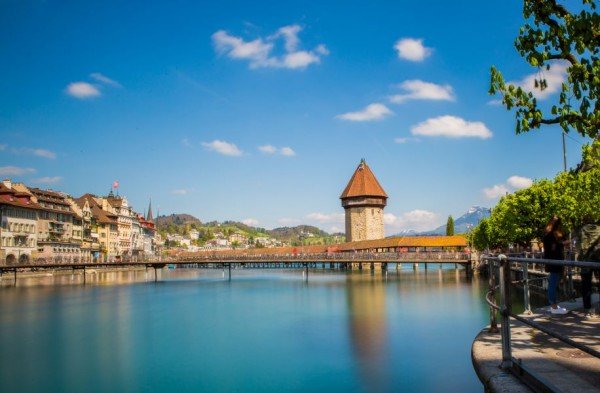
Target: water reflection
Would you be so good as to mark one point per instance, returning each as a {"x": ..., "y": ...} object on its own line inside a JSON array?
[
  {"x": 266, "y": 330},
  {"x": 368, "y": 329}
]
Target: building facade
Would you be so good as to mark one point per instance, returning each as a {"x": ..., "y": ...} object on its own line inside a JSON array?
[
  {"x": 18, "y": 224},
  {"x": 55, "y": 227}
]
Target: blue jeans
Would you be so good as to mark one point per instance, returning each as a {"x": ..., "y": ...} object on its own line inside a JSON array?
[{"x": 553, "y": 280}]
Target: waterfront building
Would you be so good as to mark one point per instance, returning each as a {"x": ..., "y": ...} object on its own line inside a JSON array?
[
  {"x": 18, "y": 223},
  {"x": 239, "y": 238},
  {"x": 148, "y": 237},
  {"x": 106, "y": 227},
  {"x": 137, "y": 237},
  {"x": 55, "y": 240},
  {"x": 119, "y": 207},
  {"x": 90, "y": 246},
  {"x": 194, "y": 234},
  {"x": 363, "y": 200}
]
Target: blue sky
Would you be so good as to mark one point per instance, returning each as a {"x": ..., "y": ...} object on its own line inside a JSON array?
[{"x": 260, "y": 111}]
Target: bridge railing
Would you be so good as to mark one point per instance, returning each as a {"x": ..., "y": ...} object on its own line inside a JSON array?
[
  {"x": 365, "y": 257},
  {"x": 500, "y": 267},
  {"x": 332, "y": 257}
]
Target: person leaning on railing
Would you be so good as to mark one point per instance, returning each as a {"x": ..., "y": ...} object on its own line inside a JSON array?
[
  {"x": 554, "y": 249},
  {"x": 589, "y": 250}
]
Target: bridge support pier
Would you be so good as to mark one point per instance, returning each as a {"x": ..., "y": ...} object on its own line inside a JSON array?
[
  {"x": 415, "y": 266},
  {"x": 425, "y": 266},
  {"x": 229, "y": 271},
  {"x": 155, "y": 275}
]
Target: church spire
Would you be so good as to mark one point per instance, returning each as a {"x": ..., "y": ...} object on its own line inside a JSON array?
[{"x": 149, "y": 214}]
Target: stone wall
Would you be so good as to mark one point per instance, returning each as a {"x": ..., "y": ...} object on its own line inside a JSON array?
[{"x": 364, "y": 223}]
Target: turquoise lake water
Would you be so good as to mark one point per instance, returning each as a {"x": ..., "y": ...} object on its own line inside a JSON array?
[{"x": 263, "y": 331}]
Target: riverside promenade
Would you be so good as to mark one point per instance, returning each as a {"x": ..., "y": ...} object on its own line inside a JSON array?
[{"x": 562, "y": 367}]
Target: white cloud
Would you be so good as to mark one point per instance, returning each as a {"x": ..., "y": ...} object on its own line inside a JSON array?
[
  {"x": 268, "y": 149},
  {"x": 403, "y": 140},
  {"x": 284, "y": 151},
  {"x": 371, "y": 112},
  {"x": 300, "y": 59},
  {"x": 259, "y": 51},
  {"x": 2, "y": 147},
  {"x": 452, "y": 127},
  {"x": 43, "y": 153},
  {"x": 519, "y": 182},
  {"x": 419, "y": 90},
  {"x": 15, "y": 171},
  {"x": 105, "y": 79},
  {"x": 495, "y": 191},
  {"x": 222, "y": 147},
  {"x": 554, "y": 77},
  {"x": 418, "y": 220},
  {"x": 180, "y": 191},
  {"x": 323, "y": 218},
  {"x": 251, "y": 222},
  {"x": 186, "y": 142},
  {"x": 336, "y": 229},
  {"x": 48, "y": 180},
  {"x": 495, "y": 102},
  {"x": 513, "y": 183},
  {"x": 287, "y": 151},
  {"x": 82, "y": 90},
  {"x": 412, "y": 49},
  {"x": 35, "y": 151},
  {"x": 290, "y": 35}
]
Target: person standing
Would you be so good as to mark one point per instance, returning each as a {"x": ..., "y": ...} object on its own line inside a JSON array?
[
  {"x": 554, "y": 249},
  {"x": 589, "y": 251}
]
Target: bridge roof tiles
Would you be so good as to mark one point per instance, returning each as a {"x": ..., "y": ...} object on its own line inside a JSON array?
[
  {"x": 406, "y": 241},
  {"x": 394, "y": 242}
]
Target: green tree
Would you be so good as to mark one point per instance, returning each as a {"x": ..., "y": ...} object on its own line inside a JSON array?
[
  {"x": 555, "y": 37},
  {"x": 521, "y": 217},
  {"x": 450, "y": 226}
]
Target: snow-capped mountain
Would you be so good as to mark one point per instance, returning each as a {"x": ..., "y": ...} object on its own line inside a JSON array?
[{"x": 462, "y": 224}]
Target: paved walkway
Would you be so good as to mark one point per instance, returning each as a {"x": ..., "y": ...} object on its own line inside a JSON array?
[{"x": 566, "y": 368}]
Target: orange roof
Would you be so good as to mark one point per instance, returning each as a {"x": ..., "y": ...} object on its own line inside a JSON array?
[
  {"x": 406, "y": 241},
  {"x": 363, "y": 183}
]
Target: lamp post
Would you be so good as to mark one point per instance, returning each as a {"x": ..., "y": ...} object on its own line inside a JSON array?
[{"x": 564, "y": 146}]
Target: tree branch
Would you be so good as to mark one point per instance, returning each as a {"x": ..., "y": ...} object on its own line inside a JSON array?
[{"x": 564, "y": 56}]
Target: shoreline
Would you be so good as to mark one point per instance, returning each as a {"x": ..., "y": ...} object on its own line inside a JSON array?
[{"x": 51, "y": 272}]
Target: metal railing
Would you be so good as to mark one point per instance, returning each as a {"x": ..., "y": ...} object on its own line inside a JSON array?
[
  {"x": 459, "y": 257},
  {"x": 503, "y": 264}
]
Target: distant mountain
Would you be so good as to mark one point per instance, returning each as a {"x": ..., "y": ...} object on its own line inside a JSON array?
[
  {"x": 465, "y": 222},
  {"x": 406, "y": 232},
  {"x": 177, "y": 220},
  {"x": 181, "y": 223},
  {"x": 296, "y": 233}
]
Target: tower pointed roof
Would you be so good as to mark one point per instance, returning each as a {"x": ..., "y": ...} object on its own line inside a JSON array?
[
  {"x": 363, "y": 183},
  {"x": 149, "y": 214}
]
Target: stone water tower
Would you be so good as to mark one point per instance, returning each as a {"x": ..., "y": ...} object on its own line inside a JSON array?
[{"x": 363, "y": 200}]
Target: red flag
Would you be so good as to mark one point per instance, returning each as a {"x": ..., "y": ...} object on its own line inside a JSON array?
[{"x": 116, "y": 184}]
